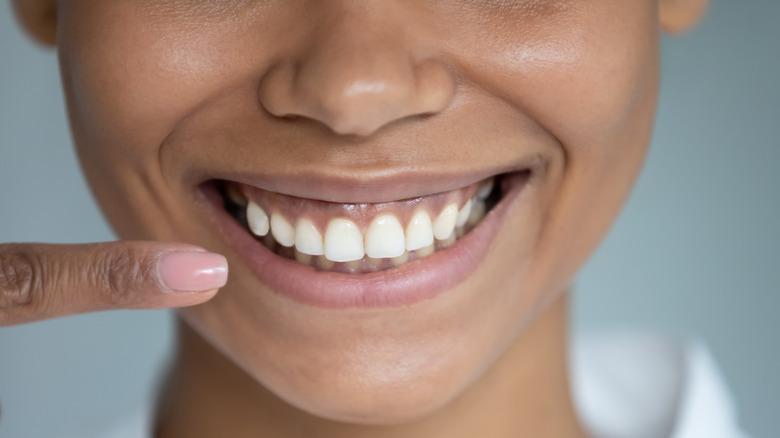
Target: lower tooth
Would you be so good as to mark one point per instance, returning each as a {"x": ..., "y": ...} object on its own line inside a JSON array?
[
  {"x": 354, "y": 265},
  {"x": 302, "y": 258},
  {"x": 400, "y": 260},
  {"x": 325, "y": 264},
  {"x": 374, "y": 263},
  {"x": 444, "y": 243},
  {"x": 424, "y": 252}
]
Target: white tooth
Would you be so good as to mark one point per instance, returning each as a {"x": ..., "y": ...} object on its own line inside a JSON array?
[
  {"x": 282, "y": 231},
  {"x": 302, "y": 258},
  {"x": 343, "y": 241},
  {"x": 308, "y": 239},
  {"x": 477, "y": 213},
  {"x": 385, "y": 238},
  {"x": 257, "y": 219},
  {"x": 401, "y": 259},
  {"x": 484, "y": 192},
  {"x": 445, "y": 223},
  {"x": 425, "y": 251},
  {"x": 325, "y": 264},
  {"x": 419, "y": 233},
  {"x": 463, "y": 214}
]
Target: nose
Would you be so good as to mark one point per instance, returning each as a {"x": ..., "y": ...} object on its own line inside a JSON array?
[{"x": 357, "y": 71}]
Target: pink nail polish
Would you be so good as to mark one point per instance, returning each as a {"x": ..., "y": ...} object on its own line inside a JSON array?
[{"x": 193, "y": 271}]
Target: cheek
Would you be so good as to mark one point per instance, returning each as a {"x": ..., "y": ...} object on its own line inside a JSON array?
[
  {"x": 590, "y": 82},
  {"x": 129, "y": 84},
  {"x": 131, "y": 79}
]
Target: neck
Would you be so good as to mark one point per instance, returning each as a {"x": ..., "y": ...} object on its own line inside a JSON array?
[{"x": 525, "y": 393}]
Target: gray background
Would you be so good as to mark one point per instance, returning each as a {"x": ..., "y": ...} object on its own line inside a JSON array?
[{"x": 697, "y": 250}]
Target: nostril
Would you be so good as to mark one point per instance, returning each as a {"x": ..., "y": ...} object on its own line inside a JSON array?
[{"x": 356, "y": 95}]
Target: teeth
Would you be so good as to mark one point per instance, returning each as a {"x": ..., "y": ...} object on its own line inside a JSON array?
[
  {"x": 343, "y": 241},
  {"x": 307, "y": 239},
  {"x": 401, "y": 259},
  {"x": 419, "y": 232},
  {"x": 257, "y": 219},
  {"x": 484, "y": 192},
  {"x": 385, "y": 238},
  {"x": 448, "y": 241},
  {"x": 325, "y": 264},
  {"x": 374, "y": 263},
  {"x": 282, "y": 230},
  {"x": 425, "y": 251},
  {"x": 303, "y": 258},
  {"x": 445, "y": 223},
  {"x": 477, "y": 213},
  {"x": 343, "y": 246},
  {"x": 463, "y": 214}
]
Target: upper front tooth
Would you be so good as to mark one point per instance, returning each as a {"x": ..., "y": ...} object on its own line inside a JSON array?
[
  {"x": 282, "y": 231},
  {"x": 463, "y": 214},
  {"x": 257, "y": 219},
  {"x": 419, "y": 232},
  {"x": 343, "y": 241},
  {"x": 445, "y": 223},
  {"x": 308, "y": 239},
  {"x": 385, "y": 238}
]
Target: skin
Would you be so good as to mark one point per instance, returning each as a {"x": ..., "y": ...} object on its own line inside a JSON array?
[{"x": 163, "y": 93}]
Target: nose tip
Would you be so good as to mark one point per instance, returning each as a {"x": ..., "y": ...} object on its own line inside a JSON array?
[{"x": 357, "y": 88}]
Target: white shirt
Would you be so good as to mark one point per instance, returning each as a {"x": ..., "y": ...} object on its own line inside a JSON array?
[
  {"x": 627, "y": 385},
  {"x": 636, "y": 385}
]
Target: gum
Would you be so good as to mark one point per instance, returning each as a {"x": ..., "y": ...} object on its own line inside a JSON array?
[{"x": 321, "y": 212}]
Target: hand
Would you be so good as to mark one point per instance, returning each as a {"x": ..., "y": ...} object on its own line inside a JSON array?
[{"x": 41, "y": 281}]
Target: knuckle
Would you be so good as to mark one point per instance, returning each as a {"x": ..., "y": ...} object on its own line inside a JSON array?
[
  {"x": 20, "y": 274},
  {"x": 124, "y": 270}
]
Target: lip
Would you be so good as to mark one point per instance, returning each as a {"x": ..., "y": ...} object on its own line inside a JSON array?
[
  {"x": 366, "y": 186},
  {"x": 404, "y": 285}
]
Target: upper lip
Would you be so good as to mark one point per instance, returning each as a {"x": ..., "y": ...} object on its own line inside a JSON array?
[{"x": 370, "y": 187}]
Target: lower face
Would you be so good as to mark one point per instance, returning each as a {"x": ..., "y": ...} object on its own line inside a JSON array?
[{"x": 373, "y": 277}]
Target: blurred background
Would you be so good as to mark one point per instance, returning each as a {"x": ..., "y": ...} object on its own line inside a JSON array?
[{"x": 695, "y": 253}]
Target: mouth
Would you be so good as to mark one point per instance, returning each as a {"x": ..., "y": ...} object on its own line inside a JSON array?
[
  {"x": 359, "y": 238},
  {"x": 335, "y": 254}
]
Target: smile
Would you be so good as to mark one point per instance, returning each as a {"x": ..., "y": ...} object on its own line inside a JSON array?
[
  {"x": 359, "y": 238},
  {"x": 341, "y": 255}
]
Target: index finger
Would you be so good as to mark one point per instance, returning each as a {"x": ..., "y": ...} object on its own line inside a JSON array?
[{"x": 41, "y": 281}]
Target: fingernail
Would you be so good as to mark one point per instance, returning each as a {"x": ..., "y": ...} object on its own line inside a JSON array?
[{"x": 193, "y": 271}]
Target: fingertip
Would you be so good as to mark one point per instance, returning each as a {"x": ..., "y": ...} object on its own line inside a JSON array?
[
  {"x": 188, "y": 272},
  {"x": 192, "y": 299}
]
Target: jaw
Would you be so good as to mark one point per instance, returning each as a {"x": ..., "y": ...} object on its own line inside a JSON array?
[{"x": 312, "y": 337}]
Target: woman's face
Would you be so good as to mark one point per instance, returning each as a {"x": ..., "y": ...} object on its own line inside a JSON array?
[{"x": 383, "y": 114}]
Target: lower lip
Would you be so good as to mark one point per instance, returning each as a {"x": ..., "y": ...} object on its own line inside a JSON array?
[{"x": 404, "y": 285}]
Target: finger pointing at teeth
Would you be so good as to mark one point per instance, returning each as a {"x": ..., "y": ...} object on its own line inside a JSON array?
[{"x": 41, "y": 281}]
